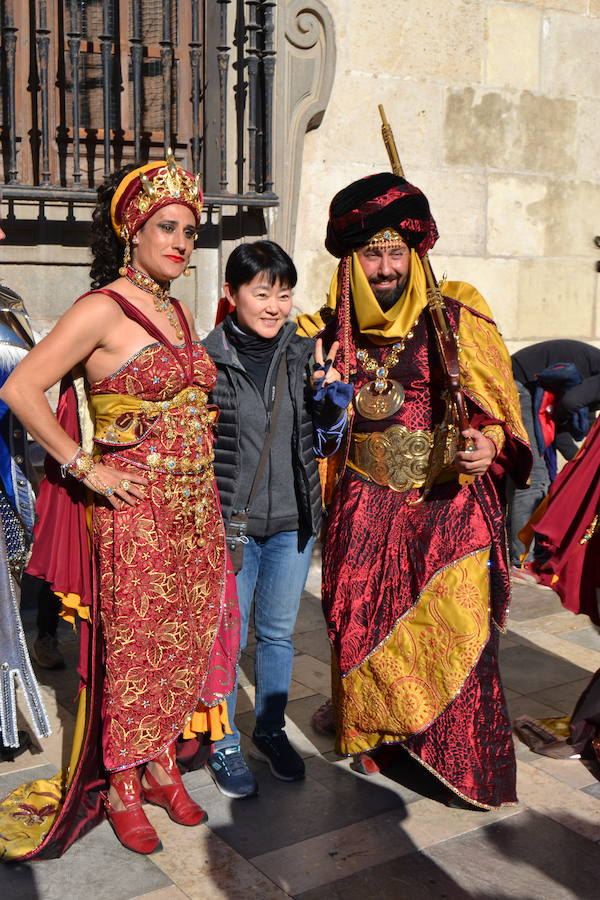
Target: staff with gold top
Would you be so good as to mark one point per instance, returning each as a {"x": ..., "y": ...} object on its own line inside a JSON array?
[{"x": 415, "y": 574}]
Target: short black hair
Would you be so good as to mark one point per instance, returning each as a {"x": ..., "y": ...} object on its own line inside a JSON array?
[{"x": 247, "y": 260}]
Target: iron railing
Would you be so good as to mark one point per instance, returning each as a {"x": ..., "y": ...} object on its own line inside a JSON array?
[{"x": 89, "y": 85}]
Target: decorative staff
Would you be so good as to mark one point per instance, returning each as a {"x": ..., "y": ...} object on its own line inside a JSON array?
[{"x": 445, "y": 336}]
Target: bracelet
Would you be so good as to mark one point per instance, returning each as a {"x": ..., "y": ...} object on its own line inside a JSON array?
[
  {"x": 79, "y": 466},
  {"x": 64, "y": 467}
]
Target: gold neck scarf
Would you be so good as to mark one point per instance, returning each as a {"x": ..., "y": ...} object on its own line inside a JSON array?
[{"x": 378, "y": 325}]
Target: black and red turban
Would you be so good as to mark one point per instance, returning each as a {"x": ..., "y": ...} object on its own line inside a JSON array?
[{"x": 379, "y": 201}]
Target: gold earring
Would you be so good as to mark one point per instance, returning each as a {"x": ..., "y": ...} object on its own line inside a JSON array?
[
  {"x": 187, "y": 272},
  {"x": 126, "y": 259}
]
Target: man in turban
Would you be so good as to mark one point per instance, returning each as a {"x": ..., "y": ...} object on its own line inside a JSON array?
[{"x": 415, "y": 570}]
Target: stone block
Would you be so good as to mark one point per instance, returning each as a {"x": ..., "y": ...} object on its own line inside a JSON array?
[
  {"x": 47, "y": 290},
  {"x": 588, "y": 129},
  {"x": 496, "y": 279},
  {"x": 315, "y": 270},
  {"x": 577, "y": 6},
  {"x": 458, "y": 203},
  {"x": 513, "y": 46},
  {"x": 37, "y": 254},
  {"x": 501, "y": 130},
  {"x": 570, "y": 58},
  {"x": 542, "y": 217},
  {"x": 540, "y": 853},
  {"x": 594, "y": 7},
  {"x": 117, "y": 873},
  {"x": 512, "y": 228},
  {"x": 556, "y": 299},
  {"x": 445, "y": 43},
  {"x": 351, "y": 129}
]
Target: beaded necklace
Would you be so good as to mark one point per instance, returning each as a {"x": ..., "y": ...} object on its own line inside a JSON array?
[
  {"x": 160, "y": 295},
  {"x": 381, "y": 398}
]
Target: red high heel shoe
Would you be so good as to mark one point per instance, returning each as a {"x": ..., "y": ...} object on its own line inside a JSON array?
[
  {"x": 131, "y": 825},
  {"x": 173, "y": 797}
]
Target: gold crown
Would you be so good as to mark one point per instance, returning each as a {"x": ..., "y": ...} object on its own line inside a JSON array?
[
  {"x": 386, "y": 239},
  {"x": 170, "y": 181}
]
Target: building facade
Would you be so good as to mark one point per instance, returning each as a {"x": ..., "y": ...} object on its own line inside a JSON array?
[
  {"x": 496, "y": 111},
  {"x": 495, "y": 107}
]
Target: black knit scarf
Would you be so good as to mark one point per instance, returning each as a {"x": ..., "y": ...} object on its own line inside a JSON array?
[{"x": 255, "y": 352}]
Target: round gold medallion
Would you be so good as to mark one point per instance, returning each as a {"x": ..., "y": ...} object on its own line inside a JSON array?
[{"x": 371, "y": 403}]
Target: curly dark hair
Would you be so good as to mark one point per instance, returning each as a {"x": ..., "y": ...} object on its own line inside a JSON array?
[{"x": 107, "y": 250}]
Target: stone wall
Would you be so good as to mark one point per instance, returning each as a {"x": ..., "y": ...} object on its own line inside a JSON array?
[{"x": 496, "y": 111}]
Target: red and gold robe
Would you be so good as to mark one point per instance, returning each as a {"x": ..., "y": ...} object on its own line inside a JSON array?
[{"x": 414, "y": 595}]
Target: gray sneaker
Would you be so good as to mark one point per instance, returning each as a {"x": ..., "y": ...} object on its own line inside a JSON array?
[
  {"x": 231, "y": 774},
  {"x": 46, "y": 653}
]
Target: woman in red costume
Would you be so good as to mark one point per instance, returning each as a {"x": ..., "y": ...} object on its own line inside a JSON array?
[
  {"x": 567, "y": 526},
  {"x": 130, "y": 468}
]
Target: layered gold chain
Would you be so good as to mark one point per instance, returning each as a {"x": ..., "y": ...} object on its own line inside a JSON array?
[
  {"x": 382, "y": 369},
  {"x": 160, "y": 295}
]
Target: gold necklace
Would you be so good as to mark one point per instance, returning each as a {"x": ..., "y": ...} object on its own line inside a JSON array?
[
  {"x": 381, "y": 398},
  {"x": 160, "y": 295}
]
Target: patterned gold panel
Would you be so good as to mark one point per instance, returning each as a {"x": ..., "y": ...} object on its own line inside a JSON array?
[{"x": 410, "y": 679}]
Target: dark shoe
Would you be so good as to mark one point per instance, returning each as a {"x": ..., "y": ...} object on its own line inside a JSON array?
[
  {"x": 131, "y": 824},
  {"x": 173, "y": 796},
  {"x": 46, "y": 653},
  {"x": 8, "y": 754},
  {"x": 231, "y": 774},
  {"x": 278, "y": 753}
]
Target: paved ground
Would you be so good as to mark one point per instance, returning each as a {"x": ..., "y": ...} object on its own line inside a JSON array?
[{"x": 338, "y": 834}]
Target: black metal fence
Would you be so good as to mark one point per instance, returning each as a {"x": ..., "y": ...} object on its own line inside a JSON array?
[{"x": 89, "y": 85}]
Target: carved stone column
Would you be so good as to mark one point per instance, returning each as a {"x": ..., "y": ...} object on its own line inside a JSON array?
[{"x": 306, "y": 54}]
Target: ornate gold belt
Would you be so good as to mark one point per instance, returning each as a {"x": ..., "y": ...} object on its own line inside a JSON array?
[{"x": 398, "y": 458}]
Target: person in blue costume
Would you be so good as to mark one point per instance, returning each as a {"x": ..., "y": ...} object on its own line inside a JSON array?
[{"x": 16, "y": 524}]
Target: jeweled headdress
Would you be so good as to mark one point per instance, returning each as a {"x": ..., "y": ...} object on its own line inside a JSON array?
[
  {"x": 386, "y": 239},
  {"x": 375, "y": 204},
  {"x": 145, "y": 190}
]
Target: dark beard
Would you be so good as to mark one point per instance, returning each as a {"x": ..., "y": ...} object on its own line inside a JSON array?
[{"x": 386, "y": 299}]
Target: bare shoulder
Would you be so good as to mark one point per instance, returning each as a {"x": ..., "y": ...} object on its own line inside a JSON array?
[{"x": 97, "y": 301}]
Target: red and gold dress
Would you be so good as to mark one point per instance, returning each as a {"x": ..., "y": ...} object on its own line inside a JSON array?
[
  {"x": 156, "y": 608},
  {"x": 160, "y": 563}
]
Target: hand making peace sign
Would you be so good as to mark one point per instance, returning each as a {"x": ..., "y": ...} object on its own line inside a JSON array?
[{"x": 324, "y": 372}]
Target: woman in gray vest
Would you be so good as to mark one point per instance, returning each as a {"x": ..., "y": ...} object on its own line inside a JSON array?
[{"x": 278, "y": 410}]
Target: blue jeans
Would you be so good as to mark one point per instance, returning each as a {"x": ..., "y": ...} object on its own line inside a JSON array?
[
  {"x": 522, "y": 502},
  {"x": 273, "y": 576}
]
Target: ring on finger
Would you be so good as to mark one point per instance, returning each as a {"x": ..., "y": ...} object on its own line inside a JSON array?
[{"x": 124, "y": 484}]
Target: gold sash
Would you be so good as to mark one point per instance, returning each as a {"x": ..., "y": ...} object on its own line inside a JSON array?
[{"x": 125, "y": 420}]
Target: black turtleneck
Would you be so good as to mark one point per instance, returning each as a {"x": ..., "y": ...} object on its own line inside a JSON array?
[{"x": 254, "y": 352}]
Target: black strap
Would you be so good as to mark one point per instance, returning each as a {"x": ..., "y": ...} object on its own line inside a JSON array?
[{"x": 264, "y": 453}]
